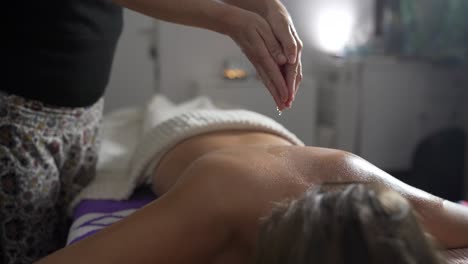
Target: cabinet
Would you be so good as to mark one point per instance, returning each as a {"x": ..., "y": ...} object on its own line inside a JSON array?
[{"x": 386, "y": 108}]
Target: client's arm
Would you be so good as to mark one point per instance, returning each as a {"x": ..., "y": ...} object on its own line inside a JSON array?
[
  {"x": 445, "y": 220},
  {"x": 449, "y": 224},
  {"x": 183, "y": 226}
]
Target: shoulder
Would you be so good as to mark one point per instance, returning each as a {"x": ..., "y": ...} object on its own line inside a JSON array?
[
  {"x": 226, "y": 167},
  {"x": 198, "y": 204},
  {"x": 218, "y": 175},
  {"x": 224, "y": 180}
]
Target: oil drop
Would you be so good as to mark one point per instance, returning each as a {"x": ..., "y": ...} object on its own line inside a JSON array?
[{"x": 279, "y": 111}]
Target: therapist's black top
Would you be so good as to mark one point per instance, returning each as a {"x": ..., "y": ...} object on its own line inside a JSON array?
[{"x": 59, "y": 52}]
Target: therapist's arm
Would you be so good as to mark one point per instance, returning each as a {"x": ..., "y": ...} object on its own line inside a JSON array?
[
  {"x": 206, "y": 14},
  {"x": 248, "y": 29}
]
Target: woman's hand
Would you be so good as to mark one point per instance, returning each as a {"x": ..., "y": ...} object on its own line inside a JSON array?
[
  {"x": 283, "y": 28},
  {"x": 255, "y": 37},
  {"x": 285, "y": 46}
]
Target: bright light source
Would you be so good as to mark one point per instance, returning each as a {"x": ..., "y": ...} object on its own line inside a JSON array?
[
  {"x": 334, "y": 27},
  {"x": 233, "y": 74}
]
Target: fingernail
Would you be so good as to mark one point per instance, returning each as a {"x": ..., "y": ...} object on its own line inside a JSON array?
[
  {"x": 292, "y": 59},
  {"x": 282, "y": 59}
]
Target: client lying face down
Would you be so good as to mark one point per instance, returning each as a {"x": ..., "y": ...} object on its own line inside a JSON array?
[{"x": 219, "y": 195}]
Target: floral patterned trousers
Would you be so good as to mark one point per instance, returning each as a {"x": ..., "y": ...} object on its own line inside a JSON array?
[{"x": 47, "y": 155}]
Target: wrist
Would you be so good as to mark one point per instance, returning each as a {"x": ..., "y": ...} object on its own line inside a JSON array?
[
  {"x": 222, "y": 17},
  {"x": 274, "y": 7},
  {"x": 228, "y": 19},
  {"x": 256, "y": 6}
]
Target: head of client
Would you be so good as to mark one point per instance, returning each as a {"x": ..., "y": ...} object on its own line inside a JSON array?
[{"x": 340, "y": 224}]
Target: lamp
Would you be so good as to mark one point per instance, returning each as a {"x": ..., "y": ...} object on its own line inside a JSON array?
[
  {"x": 236, "y": 69},
  {"x": 334, "y": 27}
]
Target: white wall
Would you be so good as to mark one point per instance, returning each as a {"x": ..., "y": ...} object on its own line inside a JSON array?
[
  {"x": 132, "y": 77},
  {"x": 189, "y": 55}
]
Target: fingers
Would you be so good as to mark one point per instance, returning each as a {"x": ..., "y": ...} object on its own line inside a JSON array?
[
  {"x": 290, "y": 72},
  {"x": 293, "y": 75},
  {"x": 271, "y": 76},
  {"x": 285, "y": 32},
  {"x": 268, "y": 69},
  {"x": 298, "y": 70},
  {"x": 285, "y": 35},
  {"x": 273, "y": 46},
  {"x": 257, "y": 41},
  {"x": 273, "y": 73},
  {"x": 271, "y": 88},
  {"x": 298, "y": 80},
  {"x": 290, "y": 48},
  {"x": 293, "y": 72},
  {"x": 299, "y": 44}
]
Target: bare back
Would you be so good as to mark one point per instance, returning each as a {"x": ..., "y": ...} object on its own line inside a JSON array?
[
  {"x": 274, "y": 160},
  {"x": 179, "y": 158},
  {"x": 261, "y": 169}
]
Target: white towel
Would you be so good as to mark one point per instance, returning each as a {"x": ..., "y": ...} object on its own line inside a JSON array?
[
  {"x": 160, "y": 109},
  {"x": 134, "y": 139}
]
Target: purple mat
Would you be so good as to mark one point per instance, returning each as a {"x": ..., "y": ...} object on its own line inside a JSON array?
[{"x": 90, "y": 216}]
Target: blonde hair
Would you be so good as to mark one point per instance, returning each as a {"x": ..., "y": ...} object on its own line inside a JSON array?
[{"x": 345, "y": 223}]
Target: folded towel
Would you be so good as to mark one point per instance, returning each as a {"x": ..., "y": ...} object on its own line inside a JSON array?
[{"x": 135, "y": 139}]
